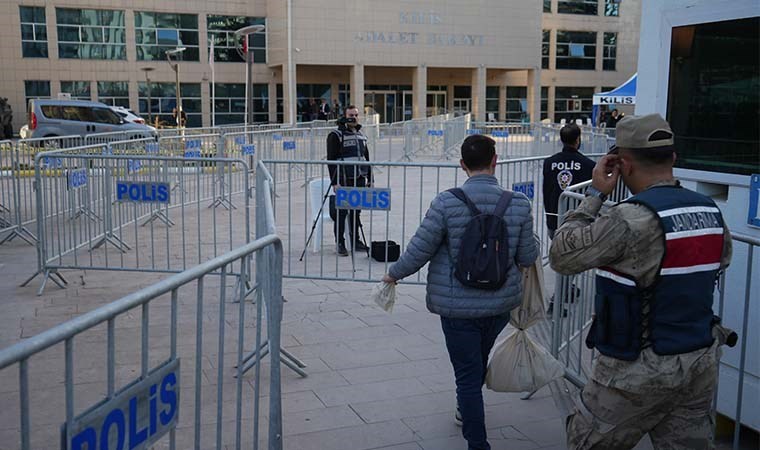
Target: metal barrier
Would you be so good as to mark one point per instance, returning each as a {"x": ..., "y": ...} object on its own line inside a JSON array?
[
  {"x": 116, "y": 136},
  {"x": 412, "y": 185},
  {"x": 103, "y": 211},
  {"x": 737, "y": 383},
  {"x": 104, "y": 403}
]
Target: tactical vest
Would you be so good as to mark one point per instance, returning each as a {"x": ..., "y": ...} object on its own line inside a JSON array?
[
  {"x": 353, "y": 148},
  {"x": 676, "y": 310}
]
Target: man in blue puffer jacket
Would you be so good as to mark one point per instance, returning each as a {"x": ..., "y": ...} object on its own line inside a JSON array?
[{"x": 471, "y": 318}]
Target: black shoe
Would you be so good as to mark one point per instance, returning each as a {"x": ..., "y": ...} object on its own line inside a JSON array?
[
  {"x": 341, "y": 250},
  {"x": 359, "y": 246}
]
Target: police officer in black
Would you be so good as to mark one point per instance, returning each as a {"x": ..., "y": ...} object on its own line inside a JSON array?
[
  {"x": 348, "y": 143},
  {"x": 564, "y": 169}
]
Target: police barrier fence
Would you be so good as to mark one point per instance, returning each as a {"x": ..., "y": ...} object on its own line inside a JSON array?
[
  {"x": 516, "y": 140},
  {"x": 393, "y": 208},
  {"x": 739, "y": 369},
  {"x": 135, "y": 212},
  {"x": 113, "y": 399}
]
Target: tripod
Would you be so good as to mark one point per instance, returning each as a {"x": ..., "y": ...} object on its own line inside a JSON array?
[{"x": 314, "y": 225}]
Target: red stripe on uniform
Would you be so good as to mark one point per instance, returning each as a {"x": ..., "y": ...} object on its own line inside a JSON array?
[{"x": 693, "y": 251}]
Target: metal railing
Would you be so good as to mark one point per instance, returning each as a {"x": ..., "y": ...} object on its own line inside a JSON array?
[
  {"x": 737, "y": 389},
  {"x": 102, "y": 366}
]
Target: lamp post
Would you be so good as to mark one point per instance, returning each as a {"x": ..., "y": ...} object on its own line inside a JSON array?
[
  {"x": 247, "y": 53},
  {"x": 175, "y": 67},
  {"x": 147, "y": 70}
]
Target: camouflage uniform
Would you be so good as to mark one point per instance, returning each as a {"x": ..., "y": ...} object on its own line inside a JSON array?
[{"x": 667, "y": 396}]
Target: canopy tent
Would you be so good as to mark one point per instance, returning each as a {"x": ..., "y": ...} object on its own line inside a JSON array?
[{"x": 625, "y": 94}]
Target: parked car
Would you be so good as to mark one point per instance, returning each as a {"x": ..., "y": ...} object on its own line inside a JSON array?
[{"x": 49, "y": 118}]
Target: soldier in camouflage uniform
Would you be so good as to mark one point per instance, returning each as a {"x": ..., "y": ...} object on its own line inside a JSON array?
[{"x": 657, "y": 255}]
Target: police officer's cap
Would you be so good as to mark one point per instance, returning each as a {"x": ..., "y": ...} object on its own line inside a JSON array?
[{"x": 643, "y": 132}]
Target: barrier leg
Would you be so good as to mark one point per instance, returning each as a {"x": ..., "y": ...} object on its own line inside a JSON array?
[{"x": 23, "y": 233}]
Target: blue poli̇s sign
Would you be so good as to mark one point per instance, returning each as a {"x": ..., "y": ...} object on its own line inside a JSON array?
[
  {"x": 288, "y": 145},
  {"x": 527, "y": 188},
  {"x": 135, "y": 418},
  {"x": 753, "y": 210},
  {"x": 142, "y": 192},
  {"x": 249, "y": 149},
  {"x": 76, "y": 178},
  {"x": 363, "y": 198},
  {"x": 500, "y": 133}
]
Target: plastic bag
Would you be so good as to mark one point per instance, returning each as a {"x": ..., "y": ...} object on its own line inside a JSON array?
[
  {"x": 384, "y": 294},
  {"x": 519, "y": 364}
]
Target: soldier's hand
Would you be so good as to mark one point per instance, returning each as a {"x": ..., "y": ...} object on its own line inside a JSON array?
[{"x": 606, "y": 173}]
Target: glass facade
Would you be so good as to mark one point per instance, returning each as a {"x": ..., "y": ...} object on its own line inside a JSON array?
[
  {"x": 714, "y": 96},
  {"x": 308, "y": 99},
  {"x": 571, "y": 103},
  {"x": 492, "y": 102},
  {"x": 35, "y": 89},
  {"x": 612, "y": 8},
  {"x": 587, "y": 7},
  {"x": 156, "y": 33},
  {"x": 164, "y": 99},
  {"x": 114, "y": 93},
  {"x": 610, "y": 51},
  {"x": 221, "y": 30},
  {"x": 33, "y": 32},
  {"x": 547, "y": 6},
  {"x": 91, "y": 34},
  {"x": 79, "y": 90},
  {"x": 545, "y": 48},
  {"x": 576, "y": 50},
  {"x": 517, "y": 104},
  {"x": 229, "y": 103}
]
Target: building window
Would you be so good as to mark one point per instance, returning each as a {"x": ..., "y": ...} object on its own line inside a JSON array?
[
  {"x": 547, "y": 6},
  {"x": 576, "y": 50},
  {"x": 544, "y": 102},
  {"x": 164, "y": 100},
  {"x": 492, "y": 103},
  {"x": 545, "y": 46},
  {"x": 229, "y": 103},
  {"x": 610, "y": 51},
  {"x": 612, "y": 8},
  {"x": 221, "y": 29},
  {"x": 308, "y": 99},
  {"x": 280, "y": 104},
  {"x": 91, "y": 34},
  {"x": 156, "y": 33},
  {"x": 714, "y": 96},
  {"x": 79, "y": 90},
  {"x": 587, "y": 7},
  {"x": 344, "y": 96},
  {"x": 462, "y": 99},
  {"x": 517, "y": 104},
  {"x": 114, "y": 93},
  {"x": 33, "y": 32},
  {"x": 571, "y": 103},
  {"x": 35, "y": 89}
]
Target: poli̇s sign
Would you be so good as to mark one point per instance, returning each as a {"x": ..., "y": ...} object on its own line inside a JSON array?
[
  {"x": 363, "y": 198},
  {"x": 193, "y": 149},
  {"x": 249, "y": 149},
  {"x": 142, "y": 192},
  {"x": 753, "y": 211},
  {"x": 133, "y": 419},
  {"x": 527, "y": 188},
  {"x": 500, "y": 133},
  {"x": 76, "y": 178}
]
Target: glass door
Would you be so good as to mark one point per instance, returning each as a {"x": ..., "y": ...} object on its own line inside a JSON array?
[{"x": 436, "y": 103}]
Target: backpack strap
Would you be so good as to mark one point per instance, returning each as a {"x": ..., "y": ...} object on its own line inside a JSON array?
[
  {"x": 459, "y": 193},
  {"x": 501, "y": 207}
]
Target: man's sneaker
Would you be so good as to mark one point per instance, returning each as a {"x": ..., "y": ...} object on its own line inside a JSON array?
[
  {"x": 458, "y": 417},
  {"x": 341, "y": 250},
  {"x": 359, "y": 246}
]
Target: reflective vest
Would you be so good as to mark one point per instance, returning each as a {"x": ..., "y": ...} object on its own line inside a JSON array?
[
  {"x": 353, "y": 148},
  {"x": 676, "y": 311}
]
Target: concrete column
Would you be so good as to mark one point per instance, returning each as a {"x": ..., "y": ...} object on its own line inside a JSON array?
[
  {"x": 356, "y": 77},
  {"x": 599, "y": 50},
  {"x": 288, "y": 103},
  {"x": 419, "y": 92},
  {"x": 550, "y": 106},
  {"x": 502, "y": 102},
  {"x": 450, "y": 97},
  {"x": 206, "y": 103},
  {"x": 534, "y": 95},
  {"x": 479, "y": 93},
  {"x": 272, "y": 101}
]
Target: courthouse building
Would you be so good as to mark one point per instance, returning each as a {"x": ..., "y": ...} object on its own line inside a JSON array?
[{"x": 505, "y": 60}]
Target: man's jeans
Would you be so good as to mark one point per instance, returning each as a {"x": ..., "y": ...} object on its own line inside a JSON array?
[{"x": 469, "y": 341}]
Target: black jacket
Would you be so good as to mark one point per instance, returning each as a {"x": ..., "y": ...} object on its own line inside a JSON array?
[
  {"x": 561, "y": 170},
  {"x": 335, "y": 150}
]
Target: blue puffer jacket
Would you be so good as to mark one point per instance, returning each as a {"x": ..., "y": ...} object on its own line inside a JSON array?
[{"x": 438, "y": 239}]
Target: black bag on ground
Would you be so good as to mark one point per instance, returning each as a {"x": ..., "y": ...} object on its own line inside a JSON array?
[
  {"x": 378, "y": 251},
  {"x": 483, "y": 259}
]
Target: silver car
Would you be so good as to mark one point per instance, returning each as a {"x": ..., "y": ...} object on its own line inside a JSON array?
[{"x": 49, "y": 118}]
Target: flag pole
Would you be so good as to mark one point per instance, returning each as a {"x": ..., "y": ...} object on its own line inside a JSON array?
[{"x": 213, "y": 90}]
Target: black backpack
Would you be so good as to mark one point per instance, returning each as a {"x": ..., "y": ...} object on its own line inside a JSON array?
[{"x": 483, "y": 259}]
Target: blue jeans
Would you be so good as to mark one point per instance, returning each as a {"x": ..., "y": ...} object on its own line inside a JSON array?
[{"x": 469, "y": 341}]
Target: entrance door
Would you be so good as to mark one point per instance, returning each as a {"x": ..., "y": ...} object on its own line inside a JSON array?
[
  {"x": 462, "y": 105},
  {"x": 382, "y": 103},
  {"x": 408, "y": 105},
  {"x": 436, "y": 103}
]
